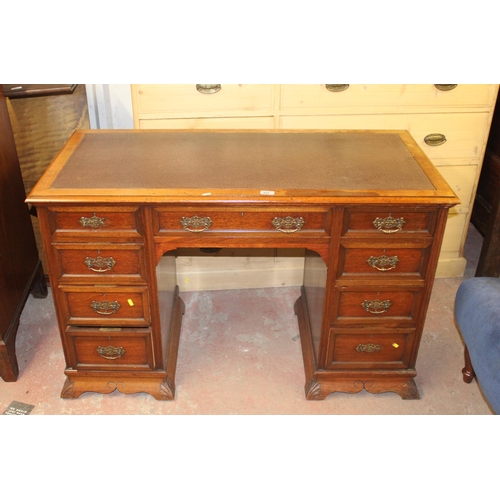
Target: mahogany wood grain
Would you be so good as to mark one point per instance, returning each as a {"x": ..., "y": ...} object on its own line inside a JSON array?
[{"x": 349, "y": 341}]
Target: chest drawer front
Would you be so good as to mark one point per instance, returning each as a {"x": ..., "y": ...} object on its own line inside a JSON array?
[
  {"x": 103, "y": 262},
  {"x": 106, "y": 306},
  {"x": 464, "y": 133},
  {"x": 289, "y": 221},
  {"x": 381, "y": 307},
  {"x": 376, "y": 96},
  {"x": 158, "y": 99},
  {"x": 92, "y": 349},
  {"x": 388, "y": 222},
  {"x": 348, "y": 350},
  {"x": 381, "y": 262},
  {"x": 98, "y": 222},
  {"x": 247, "y": 122}
]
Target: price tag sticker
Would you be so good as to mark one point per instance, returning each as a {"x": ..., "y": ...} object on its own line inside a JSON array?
[{"x": 130, "y": 302}]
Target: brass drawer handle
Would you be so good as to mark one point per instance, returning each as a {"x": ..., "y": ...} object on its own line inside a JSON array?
[
  {"x": 435, "y": 139},
  {"x": 100, "y": 264},
  {"x": 445, "y": 86},
  {"x": 383, "y": 263},
  {"x": 376, "y": 306},
  {"x": 389, "y": 224},
  {"x": 288, "y": 224},
  {"x": 105, "y": 307},
  {"x": 335, "y": 87},
  {"x": 368, "y": 348},
  {"x": 110, "y": 352},
  {"x": 196, "y": 224},
  {"x": 93, "y": 221},
  {"x": 208, "y": 88}
]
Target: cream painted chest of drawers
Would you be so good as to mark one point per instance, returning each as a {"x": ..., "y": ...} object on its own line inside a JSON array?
[{"x": 449, "y": 122}]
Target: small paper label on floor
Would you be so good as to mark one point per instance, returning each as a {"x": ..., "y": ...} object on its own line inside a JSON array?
[{"x": 17, "y": 408}]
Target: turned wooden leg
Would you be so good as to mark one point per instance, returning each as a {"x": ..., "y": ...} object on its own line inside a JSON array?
[{"x": 468, "y": 370}]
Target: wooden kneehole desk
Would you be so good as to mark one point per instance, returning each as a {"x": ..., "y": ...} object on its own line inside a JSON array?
[{"x": 369, "y": 208}]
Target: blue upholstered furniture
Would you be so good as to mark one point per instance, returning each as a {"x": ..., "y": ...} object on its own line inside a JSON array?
[{"x": 477, "y": 314}]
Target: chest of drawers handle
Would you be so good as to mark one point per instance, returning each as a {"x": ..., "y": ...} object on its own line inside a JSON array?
[
  {"x": 100, "y": 264},
  {"x": 389, "y": 224},
  {"x": 445, "y": 86},
  {"x": 208, "y": 88},
  {"x": 110, "y": 352},
  {"x": 383, "y": 263},
  {"x": 336, "y": 87},
  {"x": 196, "y": 224},
  {"x": 288, "y": 224},
  {"x": 376, "y": 306},
  {"x": 105, "y": 307},
  {"x": 435, "y": 139},
  {"x": 93, "y": 221}
]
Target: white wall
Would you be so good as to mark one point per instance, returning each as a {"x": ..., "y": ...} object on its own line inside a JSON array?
[{"x": 110, "y": 106}]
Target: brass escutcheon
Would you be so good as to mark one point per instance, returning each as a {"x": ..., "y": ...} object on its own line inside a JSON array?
[
  {"x": 105, "y": 307},
  {"x": 383, "y": 263},
  {"x": 368, "y": 348},
  {"x": 288, "y": 224},
  {"x": 389, "y": 224},
  {"x": 196, "y": 224},
  {"x": 93, "y": 221},
  {"x": 100, "y": 264},
  {"x": 110, "y": 352},
  {"x": 376, "y": 306}
]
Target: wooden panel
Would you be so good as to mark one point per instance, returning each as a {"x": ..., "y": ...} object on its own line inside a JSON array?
[
  {"x": 133, "y": 349},
  {"x": 381, "y": 262},
  {"x": 242, "y": 220},
  {"x": 359, "y": 97},
  {"x": 361, "y": 350},
  {"x": 80, "y": 262},
  {"x": 401, "y": 309},
  {"x": 96, "y": 222},
  {"x": 379, "y": 221},
  {"x": 131, "y": 305},
  {"x": 248, "y": 122},
  {"x": 158, "y": 99}
]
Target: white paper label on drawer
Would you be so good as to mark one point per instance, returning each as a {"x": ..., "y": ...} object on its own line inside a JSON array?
[{"x": 268, "y": 193}]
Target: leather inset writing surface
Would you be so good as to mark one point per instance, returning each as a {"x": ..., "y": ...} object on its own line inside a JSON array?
[{"x": 254, "y": 160}]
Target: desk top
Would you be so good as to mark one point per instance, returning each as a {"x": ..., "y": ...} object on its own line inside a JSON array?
[{"x": 162, "y": 166}]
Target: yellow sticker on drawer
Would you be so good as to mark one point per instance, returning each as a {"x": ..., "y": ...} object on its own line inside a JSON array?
[
  {"x": 395, "y": 345},
  {"x": 130, "y": 302}
]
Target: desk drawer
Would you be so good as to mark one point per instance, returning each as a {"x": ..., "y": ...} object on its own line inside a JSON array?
[
  {"x": 381, "y": 262},
  {"x": 121, "y": 349},
  {"x": 211, "y": 220},
  {"x": 106, "y": 305},
  {"x": 351, "y": 350},
  {"x": 377, "y": 96},
  {"x": 100, "y": 262},
  {"x": 96, "y": 222},
  {"x": 387, "y": 221},
  {"x": 188, "y": 99},
  {"x": 382, "y": 306}
]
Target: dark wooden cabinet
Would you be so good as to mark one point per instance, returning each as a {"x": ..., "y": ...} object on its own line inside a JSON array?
[
  {"x": 486, "y": 212},
  {"x": 20, "y": 267}
]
